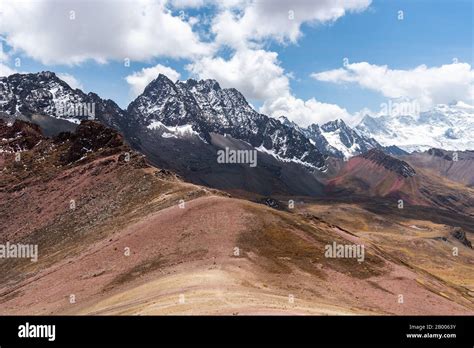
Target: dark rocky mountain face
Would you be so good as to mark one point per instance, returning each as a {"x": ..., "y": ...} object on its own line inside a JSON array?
[
  {"x": 204, "y": 106},
  {"x": 393, "y": 164},
  {"x": 436, "y": 152},
  {"x": 439, "y": 153},
  {"x": 28, "y": 95},
  {"x": 181, "y": 126},
  {"x": 208, "y": 108}
]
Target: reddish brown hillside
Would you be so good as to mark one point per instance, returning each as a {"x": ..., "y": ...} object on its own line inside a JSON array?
[{"x": 381, "y": 175}]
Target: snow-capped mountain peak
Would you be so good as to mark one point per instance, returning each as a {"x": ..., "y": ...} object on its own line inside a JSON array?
[
  {"x": 335, "y": 138},
  {"x": 345, "y": 139},
  {"x": 45, "y": 93},
  {"x": 332, "y": 126},
  {"x": 287, "y": 122},
  {"x": 444, "y": 126},
  {"x": 207, "y": 108}
]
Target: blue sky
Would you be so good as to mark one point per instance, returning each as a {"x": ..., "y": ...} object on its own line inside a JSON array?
[{"x": 432, "y": 33}]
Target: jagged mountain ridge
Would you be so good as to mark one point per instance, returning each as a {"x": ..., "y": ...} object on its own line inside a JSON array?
[
  {"x": 313, "y": 133},
  {"x": 45, "y": 93},
  {"x": 337, "y": 139},
  {"x": 208, "y": 108}
]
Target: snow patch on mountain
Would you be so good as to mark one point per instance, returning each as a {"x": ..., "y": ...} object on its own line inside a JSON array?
[
  {"x": 272, "y": 153},
  {"x": 174, "y": 132},
  {"x": 334, "y": 139}
]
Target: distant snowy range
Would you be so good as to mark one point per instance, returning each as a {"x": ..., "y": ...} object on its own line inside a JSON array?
[{"x": 449, "y": 127}]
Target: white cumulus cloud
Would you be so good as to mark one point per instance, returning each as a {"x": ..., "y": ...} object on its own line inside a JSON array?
[
  {"x": 140, "y": 79},
  {"x": 246, "y": 21},
  {"x": 304, "y": 112},
  {"x": 427, "y": 85},
  {"x": 255, "y": 73},
  {"x": 74, "y": 31},
  {"x": 188, "y": 3},
  {"x": 5, "y": 70}
]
